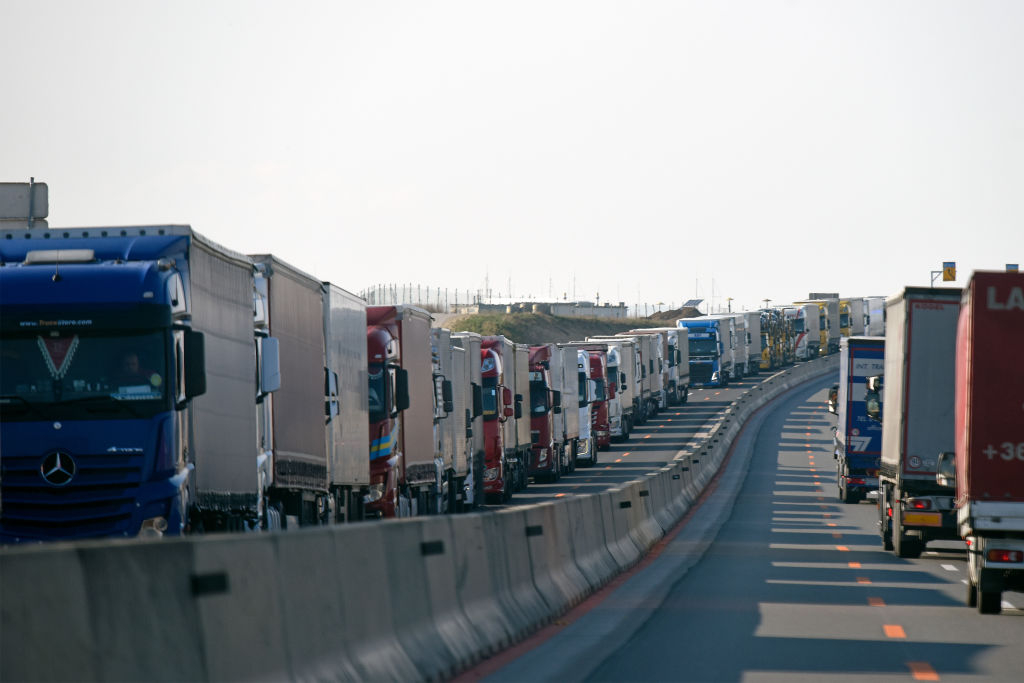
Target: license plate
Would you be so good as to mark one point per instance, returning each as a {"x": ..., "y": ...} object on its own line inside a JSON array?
[{"x": 922, "y": 518}]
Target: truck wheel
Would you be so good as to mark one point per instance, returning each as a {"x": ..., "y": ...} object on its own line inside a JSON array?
[
  {"x": 990, "y": 602},
  {"x": 904, "y": 545},
  {"x": 972, "y": 594},
  {"x": 686, "y": 395}
]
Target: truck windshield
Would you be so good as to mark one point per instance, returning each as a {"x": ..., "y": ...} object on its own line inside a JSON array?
[
  {"x": 599, "y": 393},
  {"x": 844, "y": 320},
  {"x": 764, "y": 341},
  {"x": 798, "y": 325},
  {"x": 538, "y": 398},
  {"x": 84, "y": 376},
  {"x": 490, "y": 391},
  {"x": 582, "y": 388},
  {"x": 378, "y": 396},
  {"x": 703, "y": 347}
]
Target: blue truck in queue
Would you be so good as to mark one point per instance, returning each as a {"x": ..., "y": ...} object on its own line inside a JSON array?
[
  {"x": 130, "y": 374},
  {"x": 857, "y": 440},
  {"x": 710, "y": 365}
]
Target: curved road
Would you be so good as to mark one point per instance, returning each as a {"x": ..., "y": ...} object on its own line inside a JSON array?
[{"x": 794, "y": 587}]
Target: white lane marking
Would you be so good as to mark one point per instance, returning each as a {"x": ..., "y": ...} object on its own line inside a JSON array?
[{"x": 948, "y": 567}]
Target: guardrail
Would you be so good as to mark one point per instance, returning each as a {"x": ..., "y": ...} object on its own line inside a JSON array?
[{"x": 416, "y": 599}]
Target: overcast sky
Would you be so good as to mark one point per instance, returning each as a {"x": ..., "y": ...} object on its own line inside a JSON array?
[{"x": 634, "y": 150}]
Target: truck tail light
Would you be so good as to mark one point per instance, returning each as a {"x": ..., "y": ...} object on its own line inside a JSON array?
[
  {"x": 855, "y": 480},
  {"x": 999, "y": 555},
  {"x": 918, "y": 503}
]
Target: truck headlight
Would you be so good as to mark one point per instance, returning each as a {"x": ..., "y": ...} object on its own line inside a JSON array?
[
  {"x": 491, "y": 473},
  {"x": 374, "y": 493},
  {"x": 154, "y": 527}
]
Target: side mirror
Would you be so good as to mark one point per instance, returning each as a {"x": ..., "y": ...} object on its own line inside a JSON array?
[
  {"x": 519, "y": 406},
  {"x": 469, "y": 424},
  {"x": 195, "y": 364},
  {"x": 506, "y": 400},
  {"x": 945, "y": 471},
  {"x": 446, "y": 396},
  {"x": 401, "y": 389},
  {"x": 556, "y": 401},
  {"x": 478, "y": 400},
  {"x": 833, "y": 398},
  {"x": 873, "y": 399},
  {"x": 270, "y": 365},
  {"x": 331, "y": 406}
]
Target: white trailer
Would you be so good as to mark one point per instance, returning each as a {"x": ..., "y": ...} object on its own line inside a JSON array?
[
  {"x": 348, "y": 450},
  {"x": 473, "y": 485},
  {"x": 753, "y": 341},
  {"x": 874, "y": 315},
  {"x": 569, "y": 383}
]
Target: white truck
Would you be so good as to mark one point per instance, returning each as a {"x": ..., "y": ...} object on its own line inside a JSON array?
[
  {"x": 677, "y": 357},
  {"x": 753, "y": 337},
  {"x": 917, "y": 422},
  {"x": 469, "y": 399}
]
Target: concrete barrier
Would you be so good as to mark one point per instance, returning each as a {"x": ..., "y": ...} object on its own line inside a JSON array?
[
  {"x": 555, "y": 573},
  {"x": 398, "y": 600},
  {"x": 314, "y": 618},
  {"x": 477, "y": 585},
  {"x": 590, "y": 547},
  {"x": 507, "y": 549},
  {"x": 36, "y": 585}
]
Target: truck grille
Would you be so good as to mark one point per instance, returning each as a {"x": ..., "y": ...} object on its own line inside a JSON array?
[
  {"x": 98, "y": 501},
  {"x": 700, "y": 373}
]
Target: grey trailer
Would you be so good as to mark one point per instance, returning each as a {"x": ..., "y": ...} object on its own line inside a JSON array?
[
  {"x": 299, "y": 488},
  {"x": 348, "y": 449}
]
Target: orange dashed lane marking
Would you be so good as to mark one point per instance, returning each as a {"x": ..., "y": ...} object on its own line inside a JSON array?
[
  {"x": 863, "y": 579},
  {"x": 814, "y": 469},
  {"x": 837, "y": 535},
  {"x": 876, "y": 602},
  {"x": 559, "y": 495},
  {"x": 842, "y": 549},
  {"x": 853, "y": 565},
  {"x": 626, "y": 454},
  {"x": 618, "y": 460},
  {"x": 647, "y": 436},
  {"x": 831, "y": 524},
  {"x": 894, "y": 631},
  {"x": 922, "y": 671}
]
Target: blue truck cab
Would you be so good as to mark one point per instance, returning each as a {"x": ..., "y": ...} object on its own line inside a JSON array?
[
  {"x": 710, "y": 363},
  {"x": 857, "y": 443},
  {"x": 104, "y": 410}
]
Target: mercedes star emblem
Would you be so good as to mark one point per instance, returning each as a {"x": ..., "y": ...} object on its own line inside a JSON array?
[{"x": 58, "y": 468}]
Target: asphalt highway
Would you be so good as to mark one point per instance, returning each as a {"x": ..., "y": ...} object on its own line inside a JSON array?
[{"x": 770, "y": 578}]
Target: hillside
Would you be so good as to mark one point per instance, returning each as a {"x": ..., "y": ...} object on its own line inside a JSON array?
[{"x": 539, "y": 328}]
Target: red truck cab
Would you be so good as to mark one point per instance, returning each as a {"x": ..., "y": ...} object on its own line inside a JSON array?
[
  {"x": 388, "y": 396},
  {"x": 497, "y": 404},
  {"x": 599, "y": 417},
  {"x": 544, "y": 462}
]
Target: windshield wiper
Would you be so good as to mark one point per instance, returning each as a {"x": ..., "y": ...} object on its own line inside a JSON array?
[
  {"x": 13, "y": 400},
  {"x": 112, "y": 405}
]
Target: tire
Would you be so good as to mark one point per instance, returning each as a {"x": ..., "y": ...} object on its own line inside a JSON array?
[
  {"x": 990, "y": 602},
  {"x": 904, "y": 545},
  {"x": 972, "y": 594}
]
